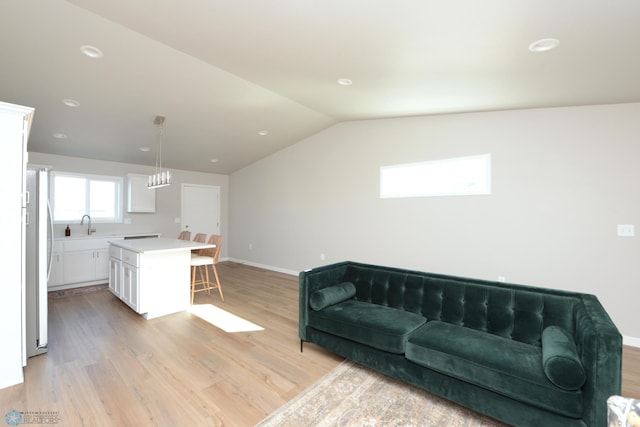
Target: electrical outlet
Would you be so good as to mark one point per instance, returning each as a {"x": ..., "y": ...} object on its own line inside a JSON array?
[
  {"x": 250, "y": 246},
  {"x": 321, "y": 257}
]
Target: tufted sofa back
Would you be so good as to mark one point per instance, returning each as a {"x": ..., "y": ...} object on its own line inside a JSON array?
[{"x": 512, "y": 311}]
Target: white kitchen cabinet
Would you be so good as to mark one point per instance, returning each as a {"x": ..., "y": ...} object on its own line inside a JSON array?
[
  {"x": 79, "y": 266},
  {"x": 85, "y": 262},
  {"x": 115, "y": 276},
  {"x": 140, "y": 199},
  {"x": 131, "y": 278},
  {"x": 85, "y": 266},
  {"x": 130, "y": 288},
  {"x": 102, "y": 264},
  {"x": 124, "y": 276},
  {"x": 56, "y": 274}
]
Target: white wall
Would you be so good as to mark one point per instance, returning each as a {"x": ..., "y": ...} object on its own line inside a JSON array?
[
  {"x": 168, "y": 199},
  {"x": 563, "y": 178}
]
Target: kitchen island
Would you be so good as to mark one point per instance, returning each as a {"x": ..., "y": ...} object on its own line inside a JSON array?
[{"x": 152, "y": 276}]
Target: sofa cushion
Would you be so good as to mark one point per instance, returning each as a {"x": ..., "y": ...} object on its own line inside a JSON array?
[
  {"x": 560, "y": 359},
  {"x": 323, "y": 298},
  {"x": 384, "y": 328},
  {"x": 511, "y": 368}
]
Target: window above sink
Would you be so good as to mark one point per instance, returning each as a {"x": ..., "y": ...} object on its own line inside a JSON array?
[{"x": 74, "y": 195}]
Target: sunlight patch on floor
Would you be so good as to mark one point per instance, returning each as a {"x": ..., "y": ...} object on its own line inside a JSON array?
[{"x": 223, "y": 319}]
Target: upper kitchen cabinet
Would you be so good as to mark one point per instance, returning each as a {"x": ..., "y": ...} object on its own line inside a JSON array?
[{"x": 140, "y": 199}]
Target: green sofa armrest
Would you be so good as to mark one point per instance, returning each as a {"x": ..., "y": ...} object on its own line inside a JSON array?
[
  {"x": 599, "y": 346},
  {"x": 313, "y": 280}
]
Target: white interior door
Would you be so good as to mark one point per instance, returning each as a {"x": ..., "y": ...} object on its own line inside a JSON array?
[{"x": 201, "y": 209}]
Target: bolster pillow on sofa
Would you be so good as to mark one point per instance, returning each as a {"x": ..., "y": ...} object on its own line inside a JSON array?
[
  {"x": 560, "y": 359},
  {"x": 331, "y": 295}
]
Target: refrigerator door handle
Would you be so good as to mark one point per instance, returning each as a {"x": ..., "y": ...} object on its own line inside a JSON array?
[
  {"x": 50, "y": 240},
  {"x": 43, "y": 231}
]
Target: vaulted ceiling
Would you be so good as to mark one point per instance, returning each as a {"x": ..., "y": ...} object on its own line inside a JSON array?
[{"x": 223, "y": 72}]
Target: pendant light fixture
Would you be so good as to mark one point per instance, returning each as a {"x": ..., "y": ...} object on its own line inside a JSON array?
[{"x": 161, "y": 178}]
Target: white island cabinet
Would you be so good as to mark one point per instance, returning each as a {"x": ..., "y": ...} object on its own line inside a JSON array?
[{"x": 152, "y": 276}]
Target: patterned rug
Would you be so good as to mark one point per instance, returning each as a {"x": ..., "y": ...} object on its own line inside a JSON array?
[{"x": 351, "y": 395}]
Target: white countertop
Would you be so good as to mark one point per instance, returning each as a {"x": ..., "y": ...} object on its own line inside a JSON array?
[{"x": 160, "y": 244}]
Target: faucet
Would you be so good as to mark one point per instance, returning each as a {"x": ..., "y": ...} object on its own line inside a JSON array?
[{"x": 89, "y": 229}]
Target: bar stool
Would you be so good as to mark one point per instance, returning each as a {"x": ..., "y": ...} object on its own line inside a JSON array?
[
  {"x": 200, "y": 237},
  {"x": 206, "y": 257}
]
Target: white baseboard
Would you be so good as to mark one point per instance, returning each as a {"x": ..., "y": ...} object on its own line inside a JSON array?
[
  {"x": 266, "y": 267},
  {"x": 631, "y": 341}
]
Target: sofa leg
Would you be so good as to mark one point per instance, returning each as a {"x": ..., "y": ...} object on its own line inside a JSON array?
[{"x": 301, "y": 342}]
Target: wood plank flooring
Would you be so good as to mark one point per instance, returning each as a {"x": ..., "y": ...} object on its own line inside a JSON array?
[
  {"x": 631, "y": 372},
  {"x": 107, "y": 366}
]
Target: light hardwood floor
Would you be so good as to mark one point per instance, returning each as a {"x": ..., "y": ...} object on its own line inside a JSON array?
[{"x": 107, "y": 366}]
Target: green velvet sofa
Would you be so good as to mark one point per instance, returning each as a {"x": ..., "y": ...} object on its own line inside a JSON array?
[{"x": 524, "y": 355}]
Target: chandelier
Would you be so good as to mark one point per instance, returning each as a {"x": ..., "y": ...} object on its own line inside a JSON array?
[{"x": 161, "y": 178}]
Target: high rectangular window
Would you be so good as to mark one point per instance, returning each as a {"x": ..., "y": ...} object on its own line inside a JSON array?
[
  {"x": 449, "y": 177},
  {"x": 75, "y": 195}
]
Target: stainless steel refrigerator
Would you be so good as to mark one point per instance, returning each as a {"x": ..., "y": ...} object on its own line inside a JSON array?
[{"x": 38, "y": 247}]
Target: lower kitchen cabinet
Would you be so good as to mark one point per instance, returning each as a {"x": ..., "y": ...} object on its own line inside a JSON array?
[
  {"x": 130, "y": 289},
  {"x": 86, "y": 266},
  {"x": 115, "y": 276},
  {"x": 124, "y": 276},
  {"x": 79, "y": 262},
  {"x": 87, "y": 261},
  {"x": 102, "y": 265},
  {"x": 56, "y": 274},
  {"x": 79, "y": 266}
]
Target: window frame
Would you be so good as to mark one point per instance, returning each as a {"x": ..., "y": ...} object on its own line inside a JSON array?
[
  {"x": 89, "y": 178},
  {"x": 479, "y": 185}
]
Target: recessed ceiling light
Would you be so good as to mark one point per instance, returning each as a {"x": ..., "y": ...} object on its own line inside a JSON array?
[
  {"x": 263, "y": 132},
  {"x": 59, "y": 135},
  {"x": 145, "y": 149},
  {"x": 345, "y": 82},
  {"x": 91, "y": 51},
  {"x": 71, "y": 103},
  {"x": 544, "y": 45},
  {"x": 214, "y": 160}
]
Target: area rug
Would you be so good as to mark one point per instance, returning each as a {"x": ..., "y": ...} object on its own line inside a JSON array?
[{"x": 352, "y": 395}]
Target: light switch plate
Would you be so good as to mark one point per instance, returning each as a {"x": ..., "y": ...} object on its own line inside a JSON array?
[{"x": 626, "y": 230}]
